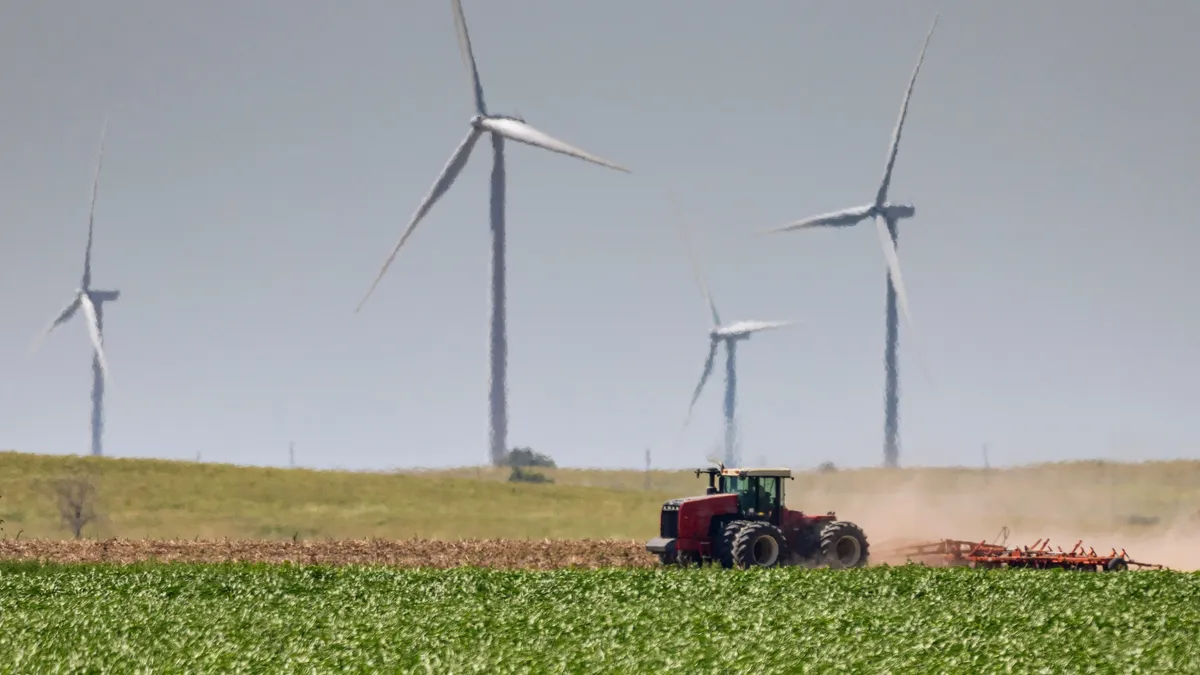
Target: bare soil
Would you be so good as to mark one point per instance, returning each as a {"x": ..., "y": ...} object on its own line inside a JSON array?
[{"x": 509, "y": 554}]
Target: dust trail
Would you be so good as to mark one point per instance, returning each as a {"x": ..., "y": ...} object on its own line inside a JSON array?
[{"x": 899, "y": 514}]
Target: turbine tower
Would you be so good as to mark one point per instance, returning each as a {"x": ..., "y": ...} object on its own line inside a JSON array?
[
  {"x": 729, "y": 335},
  {"x": 886, "y": 215},
  {"x": 92, "y": 301},
  {"x": 500, "y": 127}
]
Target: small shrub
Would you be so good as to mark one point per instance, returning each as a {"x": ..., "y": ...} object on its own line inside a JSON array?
[
  {"x": 526, "y": 458},
  {"x": 519, "y": 475}
]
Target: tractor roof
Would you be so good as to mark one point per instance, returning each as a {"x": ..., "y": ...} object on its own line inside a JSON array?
[{"x": 781, "y": 473}]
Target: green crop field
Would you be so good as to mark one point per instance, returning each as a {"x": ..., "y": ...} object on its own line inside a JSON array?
[{"x": 258, "y": 618}]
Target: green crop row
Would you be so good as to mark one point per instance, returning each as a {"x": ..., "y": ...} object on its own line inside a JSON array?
[{"x": 259, "y": 618}]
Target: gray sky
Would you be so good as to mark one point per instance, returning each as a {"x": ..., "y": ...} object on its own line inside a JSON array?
[{"x": 263, "y": 157}]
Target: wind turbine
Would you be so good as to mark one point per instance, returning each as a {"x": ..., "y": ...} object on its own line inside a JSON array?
[
  {"x": 728, "y": 334},
  {"x": 92, "y": 301},
  {"x": 886, "y": 215},
  {"x": 500, "y": 127}
]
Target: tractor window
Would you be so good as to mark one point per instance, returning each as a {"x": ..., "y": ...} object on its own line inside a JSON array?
[
  {"x": 734, "y": 484},
  {"x": 768, "y": 493},
  {"x": 744, "y": 488},
  {"x": 755, "y": 494}
]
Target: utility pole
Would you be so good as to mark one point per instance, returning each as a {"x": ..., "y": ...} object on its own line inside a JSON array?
[
  {"x": 292, "y": 454},
  {"x": 647, "y": 468},
  {"x": 986, "y": 466}
]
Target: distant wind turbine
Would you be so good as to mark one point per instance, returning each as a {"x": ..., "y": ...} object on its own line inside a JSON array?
[
  {"x": 885, "y": 215},
  {"x": 729, "y": 335},
  {"x": 500, "y": 127},
  {"x": 92, "y": 301}
]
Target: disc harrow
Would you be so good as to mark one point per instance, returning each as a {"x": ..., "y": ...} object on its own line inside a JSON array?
[{"x": 980, "y": 554}]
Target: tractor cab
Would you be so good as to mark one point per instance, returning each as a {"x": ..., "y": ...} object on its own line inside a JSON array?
[{"x": 759, "y": 491}]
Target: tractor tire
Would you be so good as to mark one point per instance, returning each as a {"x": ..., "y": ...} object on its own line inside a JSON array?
[
  {"x": 759, "y": 544},
  {"x": 1117, "y": 564},
  {"x": 724, "y": 545},
  {"x": 843, "y": 545}
]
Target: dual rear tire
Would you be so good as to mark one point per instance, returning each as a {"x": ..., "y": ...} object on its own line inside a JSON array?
[
  {"x": 745, "y": 544},
  {"x": 844, "y": 545},
  {"x": 756, "y": 544}
]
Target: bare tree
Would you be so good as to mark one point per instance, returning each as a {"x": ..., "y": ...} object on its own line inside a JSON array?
[{"x": 76, "y": 502}]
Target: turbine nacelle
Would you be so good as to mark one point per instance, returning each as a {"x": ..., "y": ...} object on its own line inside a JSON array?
[
  {"x": 742, "y": 330},
  {"x": 731, "y": 332},
  {"x": 897, "y": 212},
  {"x": 487, "y": 122}
]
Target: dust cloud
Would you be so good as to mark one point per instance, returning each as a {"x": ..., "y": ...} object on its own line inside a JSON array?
[{"x": 1149, "y": 527}]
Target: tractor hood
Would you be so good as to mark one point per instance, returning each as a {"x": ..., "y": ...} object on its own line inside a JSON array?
[
  {"x": 676, "y": 504},
  {"x": 704, "y": 505},
  {"x": 717, "y": 498}
]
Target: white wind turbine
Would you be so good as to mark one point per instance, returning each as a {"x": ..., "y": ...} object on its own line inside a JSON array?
[
  {"x": 500, "y": 127},
  {"x": 728, "y": 334},
  {"x": 886, "y": 215},
  {"x": 92, "y": 301}
]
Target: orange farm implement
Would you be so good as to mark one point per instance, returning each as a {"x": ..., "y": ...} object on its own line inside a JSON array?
[{"x": 958, "y": 553}]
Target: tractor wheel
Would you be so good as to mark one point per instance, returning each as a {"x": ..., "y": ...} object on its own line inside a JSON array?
[
  {"x": 759, "y": 544},
  {"x": 1116, "y": 565},
  {"x": 724, "y": 546},
  {"x": 843, "y": 545}
]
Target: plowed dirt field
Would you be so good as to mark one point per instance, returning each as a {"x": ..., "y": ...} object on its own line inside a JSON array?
[{"x": 510, "y": 554}]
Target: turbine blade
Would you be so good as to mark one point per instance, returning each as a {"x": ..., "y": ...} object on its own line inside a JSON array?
[
  {"x": 94, "y": 331},
  {"x": 708, "y": 367},
  {"x": 843, "y": 218},
  {"x": 63, "y": 317},
  {"x": 523, "y": 133},
  {"x": 468, "y": 55},
  {"x": 455, "y": 166},
  {"x": 87, "y": 256},
  {"x": 696, "y": 268},
  {"x": 893, "y": 265},
  {"x": 881, "y": 196}
]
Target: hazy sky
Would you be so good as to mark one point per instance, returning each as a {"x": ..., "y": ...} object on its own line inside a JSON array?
[{"x": 263, "y": 157}]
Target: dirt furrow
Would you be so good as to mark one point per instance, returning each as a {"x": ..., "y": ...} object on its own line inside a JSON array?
[{"x": 510, "y": 554}]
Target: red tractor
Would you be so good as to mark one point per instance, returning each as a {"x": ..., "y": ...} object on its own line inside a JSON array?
[{"x": 742, "y": 522}]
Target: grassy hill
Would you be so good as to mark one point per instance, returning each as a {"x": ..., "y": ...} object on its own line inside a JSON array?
[{"x": 174, "y": 499}]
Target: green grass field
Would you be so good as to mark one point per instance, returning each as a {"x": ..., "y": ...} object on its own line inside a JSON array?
[
  {"x": 172, "y": 499},
  {"x": 246, "y": 618}
]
